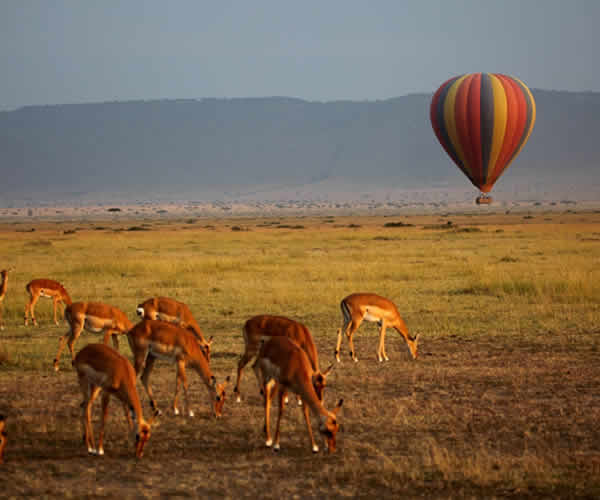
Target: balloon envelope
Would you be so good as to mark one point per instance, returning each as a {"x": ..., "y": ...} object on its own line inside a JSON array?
[{"x": 483, "y": 120}]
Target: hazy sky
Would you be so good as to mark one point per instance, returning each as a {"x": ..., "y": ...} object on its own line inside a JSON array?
[{"x": 70, "y": 51}]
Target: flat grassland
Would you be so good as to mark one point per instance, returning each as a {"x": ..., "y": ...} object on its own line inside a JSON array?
[{"x": 503, "y": 401}]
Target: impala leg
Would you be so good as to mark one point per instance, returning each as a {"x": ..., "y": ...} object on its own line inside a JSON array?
[
  {"x": 381, "y": 355},
  {"x": 30, "y": 308},
  {"x": 259, "y": 378},
  {"x": 181, "y": 376},
  {"x": 282, "y": 397},
  {"x": 115, "y": 341},
  {"x": 352, "y": 327},
  {"x": 1, "y": 318},
  {"x": 146, "y": 381},
  {"x": 107, "y": 334},
  {"x": 85, "y": 391},
  {"x": 315, "y": 447},
  {"x": 338, "y": 345},
  {"x": 269, "y": 393},
  {"x": 54, "y": 304},
  {"x": 105, "y": 400},
  {"x": 244, "y": 360},
  {"x": 74, "y": 331},
  {"x": 89, "y": 431}
]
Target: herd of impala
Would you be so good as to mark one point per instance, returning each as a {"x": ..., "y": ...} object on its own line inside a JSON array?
[{"x": 285, "y": 356}]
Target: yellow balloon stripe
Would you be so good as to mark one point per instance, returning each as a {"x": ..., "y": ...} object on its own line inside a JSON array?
[
  {"x": 500, "y": 114},
  {"x": 450, "y": 122}
]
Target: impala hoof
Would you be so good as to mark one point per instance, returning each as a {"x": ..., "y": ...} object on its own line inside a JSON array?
[
  {"x": 315, "y": 449},
  {"x": 176, "y": 411},
  {"x": 269, "y": 443},
  {"x": 276, "y": 447},
  {"x": 191, "y": 413}
]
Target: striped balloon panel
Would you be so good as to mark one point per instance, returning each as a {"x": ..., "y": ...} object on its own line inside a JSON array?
[{"x": 482, "y": 120}]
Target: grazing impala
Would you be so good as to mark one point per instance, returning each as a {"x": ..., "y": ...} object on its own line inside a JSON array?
[
  {"x": 45, "y": 288},
  {"x": 370, "y": 307},
  {"x": 283, "y": 363},
  {"x": 3, "y": 286},
  {"x": 154, "y": 339},
  {"x": 100, "y": 367},
  {"x": 3, "y": 437},
  {"x": 174, "y": 312},
  {"x": 94, "y": 317},
  {"x": 265, "y": 326}
]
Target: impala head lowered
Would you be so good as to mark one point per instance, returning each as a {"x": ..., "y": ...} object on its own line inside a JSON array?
[
  {"x": 329, "y": 427},
  {"x": 219, "y": 395}
]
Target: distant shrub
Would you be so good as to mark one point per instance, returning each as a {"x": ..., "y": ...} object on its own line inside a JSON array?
[
  {"x": 69, "y": 231},
  {"x": 288, "y": 226},
  {"x": 508, "y": 259},
  {"x": 114, "y": 209},
  {"x": 397, "y": 224},
  {"x": 138, "y": 228},
  {"x": 468, "y": 230},
  {"x": 39, "y": 243}
]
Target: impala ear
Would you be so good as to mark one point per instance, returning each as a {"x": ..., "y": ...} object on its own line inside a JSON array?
[
  {"x": 213, "y": 381},
  {"x": 210, "y": 340},
  {"x": 326, "y": 372},
  {"x": 337, "y": 409}
]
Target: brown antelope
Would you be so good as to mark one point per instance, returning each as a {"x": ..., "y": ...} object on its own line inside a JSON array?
[
  {"x": 371, "y": 307},
  {"x": 100, "y": 367},
  {"x": 94, "y": 317},
  {"x": 283, "y": 364},
  {"x": 176, "y": 312},
  {"x": 45, "y": 288},
  {"x": 265, "y": 326},
  {"x": 154, "y": 339},
  {"x": 3, "y": 286},
  {"x": 3, "y": 437}
]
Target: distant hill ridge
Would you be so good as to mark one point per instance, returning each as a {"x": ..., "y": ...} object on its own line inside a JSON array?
[{"x": 196, "y": 144}]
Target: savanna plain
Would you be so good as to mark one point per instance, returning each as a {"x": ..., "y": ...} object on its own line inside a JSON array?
[{"x": 503, "y": 401}]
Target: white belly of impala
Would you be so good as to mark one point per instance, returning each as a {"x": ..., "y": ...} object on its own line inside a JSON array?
[
  {"x": 164, "y": 352},
  {"x": 270, "y": 370},
  {"x": 168, "y": 318},
  {"x": 95, "y": 377},
  {"x": 95, "y": 324},
  {"x": 371, "y": 316}
]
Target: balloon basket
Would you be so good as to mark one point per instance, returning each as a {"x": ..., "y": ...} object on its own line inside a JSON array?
[{"x": 484, "y": 199}]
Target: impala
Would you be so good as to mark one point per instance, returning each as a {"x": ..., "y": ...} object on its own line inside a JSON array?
[
  {"x": 3, "y": 286},
  {"x": 176, "y": 312},
  {"x": 154, "y": 339},
  {"x": 3, "y": 437},
  {"x": 371, "y": 307},
  {"x": 263, "y": 327},
  {"x": 283, "y": 364},
  {"x": 94, "y": 317},
  {"x": 100, "y": 367},
  {"x": 45, "y": 288}
]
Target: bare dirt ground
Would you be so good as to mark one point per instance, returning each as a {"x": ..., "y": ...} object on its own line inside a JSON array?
[{"x": 478, "y": 418}]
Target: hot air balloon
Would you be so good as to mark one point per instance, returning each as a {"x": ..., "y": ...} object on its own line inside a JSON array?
[{"x": 482, "y": 120}]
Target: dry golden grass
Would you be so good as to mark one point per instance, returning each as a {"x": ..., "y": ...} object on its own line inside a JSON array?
[{"x": 502, "y": 402}]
